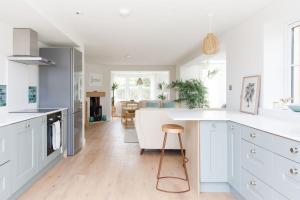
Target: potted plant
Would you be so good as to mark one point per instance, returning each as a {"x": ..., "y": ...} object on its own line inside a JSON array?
[
  {"x": 192, "y": 92},
  {"x": 161, "y": 87},
  {"x": 114, "y": 87}
]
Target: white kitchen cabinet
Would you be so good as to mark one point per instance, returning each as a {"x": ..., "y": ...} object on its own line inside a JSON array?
[
  {"x": 213, "y": 152},
  {"x": 234, "y": 154}
]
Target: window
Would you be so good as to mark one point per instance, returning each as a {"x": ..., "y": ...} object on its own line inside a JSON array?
[
  {"x": 129, "y": 89},
  {"x": 121, "y": 91},
  {"x": 212, "y": 71},
  {"x": 295, "y": 64}
]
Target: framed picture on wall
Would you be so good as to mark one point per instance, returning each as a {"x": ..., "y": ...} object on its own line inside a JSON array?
[
  {"x": 250, "y": 94},
  {"x": 95, "y": 80}
]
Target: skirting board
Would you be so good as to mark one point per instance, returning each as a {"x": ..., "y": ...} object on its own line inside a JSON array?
[
  {"x": 19, "y": 192},
  {"x": 214, "y": 187}
]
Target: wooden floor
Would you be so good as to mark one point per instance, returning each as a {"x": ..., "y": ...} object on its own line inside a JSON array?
[{"x": 109, "y": 169}]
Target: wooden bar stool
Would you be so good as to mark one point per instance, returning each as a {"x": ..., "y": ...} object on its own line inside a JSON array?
[{"x": 172, "y": 129}]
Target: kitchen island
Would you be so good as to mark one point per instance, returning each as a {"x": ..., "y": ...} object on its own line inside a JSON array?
[{"x": 235, "y": 152}]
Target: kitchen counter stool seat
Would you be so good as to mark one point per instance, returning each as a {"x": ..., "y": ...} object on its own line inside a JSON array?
[{"x": 172, "y": 129}]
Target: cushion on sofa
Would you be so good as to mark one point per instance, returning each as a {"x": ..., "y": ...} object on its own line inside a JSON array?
[
  {"x": 168, "y": 104},
  {"x": 153, "y": 104}
]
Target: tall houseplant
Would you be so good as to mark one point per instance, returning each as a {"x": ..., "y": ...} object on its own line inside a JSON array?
[
  {"x": 192, "y": 92},
  {"x": 113, "y": 88}
]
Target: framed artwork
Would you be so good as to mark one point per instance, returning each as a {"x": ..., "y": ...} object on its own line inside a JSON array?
[
  {"x": 32, "y": 94},
  {"x": 95, "y": 80},
  {"x": 2, "y": 95},
  {"x": 250, "y": 94}
]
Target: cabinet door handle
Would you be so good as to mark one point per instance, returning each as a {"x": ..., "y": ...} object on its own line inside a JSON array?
[
  {"x": 253, "y": 183},
  {"x": 232, "y": 127},
  {"x": 27, "y": 125},
  {"x": 294, "y": 150},
  {"x": 293, "y": 171},
  {"x": 253, "y": 151},
  {"x": 252, "y": 135}
]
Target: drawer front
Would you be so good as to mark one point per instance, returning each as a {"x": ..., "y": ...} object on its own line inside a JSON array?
[
  {"x": 253, "y": 189},
  {"x": 286, "y": 175},
  {"x": 258, "y": 161},
  {"x": 257, "y": 137},
  {"x": 5, "y": 145},
  {"x": 287, "y": 148},
  {"x": 277, "y": 196},
  {"x": 5, "y": 180}
]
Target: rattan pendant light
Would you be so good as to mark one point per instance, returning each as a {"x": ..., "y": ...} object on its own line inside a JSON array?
[{"x": 210, "y": 42}]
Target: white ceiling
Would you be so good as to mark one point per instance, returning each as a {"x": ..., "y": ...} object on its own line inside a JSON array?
[
  {"x": 158, "y": 32},
  {"x": 18, "y": 13}
]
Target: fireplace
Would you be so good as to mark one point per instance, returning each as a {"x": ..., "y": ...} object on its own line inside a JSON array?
[{"x": 95, "y": 109}]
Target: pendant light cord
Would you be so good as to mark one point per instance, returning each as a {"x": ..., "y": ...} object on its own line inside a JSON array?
[{"x": 210, "y": 22}]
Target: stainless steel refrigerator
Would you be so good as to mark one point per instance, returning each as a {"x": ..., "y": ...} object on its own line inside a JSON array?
[{"x": 60, "y": 85}]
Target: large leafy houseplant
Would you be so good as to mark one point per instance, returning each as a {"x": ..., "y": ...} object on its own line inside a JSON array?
[{"x": 192, "y": 92}]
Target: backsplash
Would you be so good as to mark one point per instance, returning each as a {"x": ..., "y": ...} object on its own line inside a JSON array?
[
  {"x": 2, "y": 95},
  {"x": 32, "y": 94}
]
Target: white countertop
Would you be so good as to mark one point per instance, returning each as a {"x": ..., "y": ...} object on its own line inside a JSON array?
[
  {"x": 11, "y": 118},
  {"x": 271, "y": 125}
]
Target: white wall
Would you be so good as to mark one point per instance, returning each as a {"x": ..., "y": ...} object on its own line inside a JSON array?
[
  {"x": 16, "y": 76},
  {"x": 260, "y": 46},
  {"x": 106, "y": 70}
]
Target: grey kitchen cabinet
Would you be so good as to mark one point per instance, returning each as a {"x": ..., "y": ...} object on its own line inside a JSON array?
[
  {"x": 5, "y": 144},
  {"x": 23, "y": 153},
  {"x": 213, "y": 156},
  {"x": 234, "y": 154},
  {"x": 65, "y": 130},
  {"x": 5, "y": 180},
  {"x": 5, "y": 162},
  {"x": 40, "y": 130},
  {"x": 24, "y": 159}
]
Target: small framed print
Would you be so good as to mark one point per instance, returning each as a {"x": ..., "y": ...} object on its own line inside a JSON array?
[
  {"x": 95, "y": 80},
  {"x": 250, "y": 94}
]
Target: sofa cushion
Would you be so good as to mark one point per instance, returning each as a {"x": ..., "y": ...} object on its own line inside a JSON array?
[
  {"x": 150, "y": 104},
  {"x": 168, "y": 104}
]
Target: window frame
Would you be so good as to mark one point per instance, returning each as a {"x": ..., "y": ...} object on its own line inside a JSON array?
[
  {"x": 127, "y": 85},
  {"x": 291, "y": 64}
]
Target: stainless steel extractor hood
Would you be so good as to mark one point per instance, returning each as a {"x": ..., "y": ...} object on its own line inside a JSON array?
[{"x": 25, "y": 48}]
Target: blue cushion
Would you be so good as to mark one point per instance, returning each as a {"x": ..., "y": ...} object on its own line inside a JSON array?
[
  {"x": 152, "y": 105},
  {"x": 169, "y": 104}
]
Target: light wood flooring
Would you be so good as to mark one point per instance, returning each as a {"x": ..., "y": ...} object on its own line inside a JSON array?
[{"x": 109, "y": 169}]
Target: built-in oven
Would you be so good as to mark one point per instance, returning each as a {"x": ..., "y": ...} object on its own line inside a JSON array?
[{"x": 51, "y": 120}]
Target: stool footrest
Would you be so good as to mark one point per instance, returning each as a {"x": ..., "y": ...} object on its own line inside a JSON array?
[
  {"x": 171, "y": 177},
  {"x": 186, "y": 160}
]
